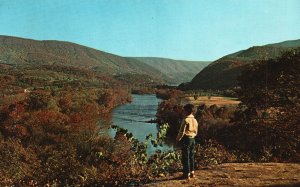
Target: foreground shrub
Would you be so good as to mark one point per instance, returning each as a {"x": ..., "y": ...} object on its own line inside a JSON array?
[
  {"x": 212, "y": 153},
  {"x": 18, "y": 164}
]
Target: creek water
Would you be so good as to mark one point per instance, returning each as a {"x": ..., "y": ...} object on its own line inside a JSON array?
[{"x": 134, "y": 117}]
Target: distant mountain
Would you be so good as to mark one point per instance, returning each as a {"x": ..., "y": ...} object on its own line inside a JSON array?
[
  {"x": 21, "y": 51},
  {"x": 223, "y": 73},
  {"x": 178, "y": 71}
]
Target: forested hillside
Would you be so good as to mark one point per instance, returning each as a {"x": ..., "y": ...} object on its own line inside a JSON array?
[
  {"x": 19, "y": 52},
  {"x": 223, "y": 73}
]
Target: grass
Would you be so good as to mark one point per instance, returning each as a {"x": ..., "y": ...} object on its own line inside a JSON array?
[{"x": 210, "y": 100}]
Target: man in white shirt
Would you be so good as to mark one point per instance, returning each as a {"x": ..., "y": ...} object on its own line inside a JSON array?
[{"x": 186, "y": 136}]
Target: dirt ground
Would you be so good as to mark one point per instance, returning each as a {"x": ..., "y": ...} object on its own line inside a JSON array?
[{"x": 237, "y": 174}]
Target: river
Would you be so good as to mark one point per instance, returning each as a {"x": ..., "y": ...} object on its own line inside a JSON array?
[{"x": 134, "y": 116}]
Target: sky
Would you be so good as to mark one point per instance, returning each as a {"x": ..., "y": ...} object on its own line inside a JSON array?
[{"x": 178, "y": 29}]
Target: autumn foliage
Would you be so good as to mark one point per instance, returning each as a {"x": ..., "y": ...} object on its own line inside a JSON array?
[
  {"x": 263, "y": 128},
  {"x": 52, "y": 137}
]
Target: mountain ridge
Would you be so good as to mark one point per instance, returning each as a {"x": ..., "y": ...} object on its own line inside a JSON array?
[
  {"x": 24, "y": 51},
  {"x": 51, "y": 52},
  {"x": 222, "y": 73},
  {"x": 177, "y": 70}
]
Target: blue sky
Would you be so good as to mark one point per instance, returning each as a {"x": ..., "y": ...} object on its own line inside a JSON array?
[{"x": 178, "y": 29}]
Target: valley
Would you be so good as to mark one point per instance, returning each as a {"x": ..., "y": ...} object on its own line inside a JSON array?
[{"x": 58, "y": 101}]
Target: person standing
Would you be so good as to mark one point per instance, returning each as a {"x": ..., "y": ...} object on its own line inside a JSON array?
[{"x": 186, "y": 137}]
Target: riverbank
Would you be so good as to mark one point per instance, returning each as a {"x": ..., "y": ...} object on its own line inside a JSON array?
[{"x": 237, "y": 174}]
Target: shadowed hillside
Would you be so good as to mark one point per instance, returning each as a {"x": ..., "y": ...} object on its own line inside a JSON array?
[
  {"x": 223, "y": 73},
  {"x": 177, "y": 70}
]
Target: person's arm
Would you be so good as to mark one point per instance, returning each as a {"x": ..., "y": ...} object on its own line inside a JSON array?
[
  {"x": 197, "y": 126},
  {"x": 181, "y": 130}
]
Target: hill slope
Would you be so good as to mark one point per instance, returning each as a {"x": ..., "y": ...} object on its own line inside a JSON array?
[
  {"x": 177, "y": 70},
  {"x": 223, "y": 73},
  {"x": 21, "y": 51}
]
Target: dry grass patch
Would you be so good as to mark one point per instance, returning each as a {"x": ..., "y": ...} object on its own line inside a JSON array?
[{"x": 210, "y": 100}]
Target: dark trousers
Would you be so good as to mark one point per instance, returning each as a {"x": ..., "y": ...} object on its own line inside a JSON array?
[{"x": 188, "y": 154}]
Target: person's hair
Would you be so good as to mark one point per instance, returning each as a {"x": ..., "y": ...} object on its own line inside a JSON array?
[{"x": 188, "y": 108}]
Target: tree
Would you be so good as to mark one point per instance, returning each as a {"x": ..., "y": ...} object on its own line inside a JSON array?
[
  {"x": 273, "y": 86},
  {"x": 272, "y": 83}
]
